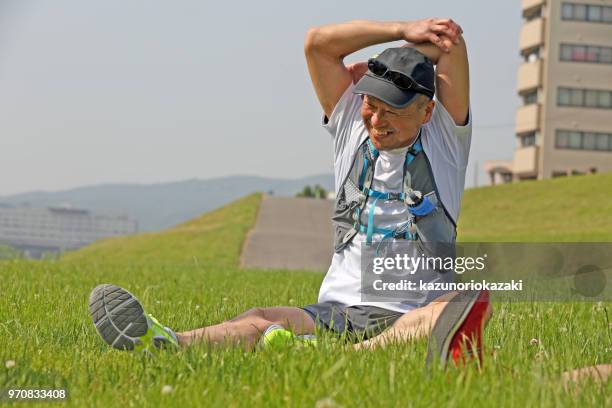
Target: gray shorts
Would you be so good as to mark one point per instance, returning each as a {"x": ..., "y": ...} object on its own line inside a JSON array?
[{"x": 356, "y": 323}]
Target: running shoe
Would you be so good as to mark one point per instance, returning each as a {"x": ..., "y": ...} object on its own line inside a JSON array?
[
  {"x": 122, "y": 322},
  {"x": 276, "y": 336},
  {"x": 457, "y": 334}
]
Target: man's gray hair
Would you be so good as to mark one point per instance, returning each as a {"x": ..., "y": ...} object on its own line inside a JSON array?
[{"x": 421, "y": 101}]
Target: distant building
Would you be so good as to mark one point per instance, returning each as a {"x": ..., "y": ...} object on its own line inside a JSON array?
[
  {"x": 38, "y": 231},
  {"x": 564, "y": 125}
]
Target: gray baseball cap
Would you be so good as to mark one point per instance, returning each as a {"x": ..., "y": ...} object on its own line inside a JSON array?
[{"x": 396, "y": 76}]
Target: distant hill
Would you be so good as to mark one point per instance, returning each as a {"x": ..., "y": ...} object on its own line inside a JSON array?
[{"x": 162, "y": 205}]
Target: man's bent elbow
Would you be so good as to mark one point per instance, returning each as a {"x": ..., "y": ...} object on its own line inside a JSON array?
[
  {"x": 322, "y": 40},
  {"x": 458, "y": 47},
  {"x": 313, "y": 40}
]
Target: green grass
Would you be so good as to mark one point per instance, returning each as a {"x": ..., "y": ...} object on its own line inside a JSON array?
[
  {"x": 189, "y": 277},
  {"x": 558, "y": 210}
]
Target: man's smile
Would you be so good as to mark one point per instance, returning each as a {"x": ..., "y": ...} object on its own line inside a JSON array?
[{"x": 383, "y": 133}]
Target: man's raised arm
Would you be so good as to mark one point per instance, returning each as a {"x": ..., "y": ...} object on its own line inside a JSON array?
[
  {"x": 452, "y": 78},
  {"x": 325, "y": 48}
]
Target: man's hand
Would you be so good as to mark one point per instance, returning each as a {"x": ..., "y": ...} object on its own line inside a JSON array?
[{"x": 441, "y": 32}]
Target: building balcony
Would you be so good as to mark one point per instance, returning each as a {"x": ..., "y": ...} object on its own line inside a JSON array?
[
  {"x": 525, "y": 161},
  {"x": 532, "y": 35},
  {"x": 529, "y": 76},
  {"x": 528, "y": 118},
  {"x": 528, "y": 6}
]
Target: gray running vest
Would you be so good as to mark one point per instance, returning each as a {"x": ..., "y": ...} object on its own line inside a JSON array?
[{"x": 428, "y": 219}]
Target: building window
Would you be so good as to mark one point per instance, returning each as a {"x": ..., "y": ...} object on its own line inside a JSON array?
[
  {"x": 603, "y": 142},
  {"x": 528, "y": 139},
  {"x": 566, "y": 11},
  {"x": 532, "y": 15},
  {"x": 586, "y": 53},
  {"x": 606, "y": 14},
  {"x": 605, "y": 99},
  {"x": 586, "y": 12},
  {"x": 594, "y": 13},
  {"x": 590, "y": 98},
  {"x": 533, "y": 55},
  {"x": 530, "y": 97},
  {"x": 576, "y": 97},
  {"x": 575, "y": 140},
  {"x": 567, "y": 139},
  {"x": 588, "y": 141},
  {"x": 563, "y": 97}
]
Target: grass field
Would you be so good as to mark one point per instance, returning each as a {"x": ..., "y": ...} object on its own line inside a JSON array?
[{"x": 188, "y": 277}]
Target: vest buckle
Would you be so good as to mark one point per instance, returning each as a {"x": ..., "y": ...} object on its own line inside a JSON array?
[
  {"x": 363, "y": 196},
  {"x": 349, "y": 235},
  {"x": 394, "y": 196}
]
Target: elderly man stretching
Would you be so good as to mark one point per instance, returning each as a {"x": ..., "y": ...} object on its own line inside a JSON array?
[{"x": 399, "y": 161}]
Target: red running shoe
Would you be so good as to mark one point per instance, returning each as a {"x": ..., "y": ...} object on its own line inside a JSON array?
[{"x": 458, "y": 330}]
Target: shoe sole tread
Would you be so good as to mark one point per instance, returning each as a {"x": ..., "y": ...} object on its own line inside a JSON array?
[{"x": 118, "y": 316}]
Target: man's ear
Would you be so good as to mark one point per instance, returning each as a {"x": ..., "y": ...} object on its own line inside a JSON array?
[{"x": 429, "y": 110}]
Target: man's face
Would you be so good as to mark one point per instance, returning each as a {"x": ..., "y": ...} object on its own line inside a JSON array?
[{"x": 391, "y": 128}]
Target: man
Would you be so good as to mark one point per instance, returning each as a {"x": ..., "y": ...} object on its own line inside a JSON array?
[{"x": 399, "y": 159}]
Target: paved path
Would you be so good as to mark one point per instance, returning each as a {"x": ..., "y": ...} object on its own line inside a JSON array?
[{"x": 290, "y": 233}]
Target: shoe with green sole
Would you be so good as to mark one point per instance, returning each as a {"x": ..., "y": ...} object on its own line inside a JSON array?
[{"x": 122, "y": 322}]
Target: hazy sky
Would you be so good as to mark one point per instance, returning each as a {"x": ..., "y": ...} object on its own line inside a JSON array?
[{"x": 147, "y": 91}]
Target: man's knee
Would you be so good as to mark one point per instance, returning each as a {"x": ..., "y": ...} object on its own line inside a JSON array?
[
  {"x": 423, "y": 317},
  {"x": 270, "y": 314},
  {"x": 250, "y": 325},
  {"x": 256, "y": 312},
  {"x": 263, "y": 317},
  {"x": 251, "y": 313}
]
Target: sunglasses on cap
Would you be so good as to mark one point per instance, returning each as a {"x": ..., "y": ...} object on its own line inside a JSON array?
[{"x": 398, "y": 79}]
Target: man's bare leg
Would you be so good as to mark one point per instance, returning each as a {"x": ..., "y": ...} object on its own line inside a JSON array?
[
  {"x": 415, "y": 324},
  {"x": 247, "y": 328},
  {"x": 598, "y": 373}
]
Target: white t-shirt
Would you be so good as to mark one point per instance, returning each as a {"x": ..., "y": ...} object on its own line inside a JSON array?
[{"x": 446, "y": 145}]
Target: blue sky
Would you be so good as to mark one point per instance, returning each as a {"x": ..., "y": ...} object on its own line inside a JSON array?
[{"x": 149, "y": 91}]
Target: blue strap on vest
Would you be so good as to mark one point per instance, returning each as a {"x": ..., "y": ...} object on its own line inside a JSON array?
[
  {"x": 390, "y": 233},
  {"x": 414, "y": 150},
  {"x": 402, "y": 232},
  {"x": 423, "y": 208},
  {"x": 370, "y": 155},
  {"x": 370, "y": 229}
]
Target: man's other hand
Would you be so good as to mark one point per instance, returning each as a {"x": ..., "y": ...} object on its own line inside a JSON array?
[{"x": 442, "y": 32}]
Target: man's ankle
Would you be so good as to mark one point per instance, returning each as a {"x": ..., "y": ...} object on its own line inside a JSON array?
[{"x": 183, "y": 339}]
